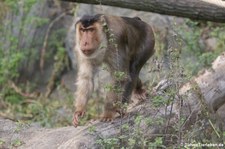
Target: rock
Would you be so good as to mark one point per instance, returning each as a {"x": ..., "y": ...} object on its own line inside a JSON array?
[{"x": 211, "y": 43}]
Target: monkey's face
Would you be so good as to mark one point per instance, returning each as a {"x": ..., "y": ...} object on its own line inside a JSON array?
[{"x": 89, "y": 39}]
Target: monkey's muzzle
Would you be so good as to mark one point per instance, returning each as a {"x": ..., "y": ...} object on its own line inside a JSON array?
[{"x": 87, "y": 52}]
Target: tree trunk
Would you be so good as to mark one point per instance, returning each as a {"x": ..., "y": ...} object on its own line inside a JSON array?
[{"x": 208, "y": 10}]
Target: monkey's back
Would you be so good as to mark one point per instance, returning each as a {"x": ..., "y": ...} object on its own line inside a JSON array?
[{"x": 132, "y": 33}]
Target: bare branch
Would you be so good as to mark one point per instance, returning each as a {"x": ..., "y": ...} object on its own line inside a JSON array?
[{"x": 208, "y": 10}]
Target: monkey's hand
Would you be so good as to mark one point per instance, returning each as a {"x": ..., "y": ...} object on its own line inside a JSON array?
[
  {"x": 108, "y": 116},
  {"x": 76, "y": 116}
]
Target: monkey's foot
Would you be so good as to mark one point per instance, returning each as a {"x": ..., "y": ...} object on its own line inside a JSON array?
[{"x": 139, "y": 95}]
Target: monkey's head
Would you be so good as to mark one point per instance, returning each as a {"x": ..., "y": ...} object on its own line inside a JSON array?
[{"x": 89, "y": 34}]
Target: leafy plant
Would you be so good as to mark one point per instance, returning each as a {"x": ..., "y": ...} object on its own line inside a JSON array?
[
  {"x": 109, "y": 143},
  {"x": 12, "y": 53},
  {"x": 195, "y": 55},
  {"x": 17, "y": 143},
  {"x": 1, "y": 142}
]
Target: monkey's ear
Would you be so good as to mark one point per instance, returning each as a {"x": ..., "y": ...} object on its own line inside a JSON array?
[
  {"x": 103, "y": 20},
  {"x": 75, "y": 25},
  {"x": 77, "y": 20}
]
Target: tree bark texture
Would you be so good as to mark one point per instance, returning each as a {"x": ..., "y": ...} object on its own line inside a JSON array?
[{"x": 208, "y": 10}]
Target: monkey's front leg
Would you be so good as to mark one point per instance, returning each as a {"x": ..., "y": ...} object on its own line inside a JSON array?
[
  {"x": 83, "y": 92},
  {"x": 111, "y": 106}
]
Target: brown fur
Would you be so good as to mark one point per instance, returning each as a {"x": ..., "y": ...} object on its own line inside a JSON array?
[{"x": 124, "y": 44}]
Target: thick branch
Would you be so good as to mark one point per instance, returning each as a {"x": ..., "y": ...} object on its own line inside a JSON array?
[{"x": 208, "y": 10}]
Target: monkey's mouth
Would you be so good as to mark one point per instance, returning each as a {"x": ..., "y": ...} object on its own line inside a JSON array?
[{"x": 87, "y": 52}]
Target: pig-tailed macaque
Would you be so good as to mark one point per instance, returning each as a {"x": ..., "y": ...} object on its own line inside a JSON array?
[{"x": 122, "y": 43}]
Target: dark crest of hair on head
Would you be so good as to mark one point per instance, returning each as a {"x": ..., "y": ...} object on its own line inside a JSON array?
[{"x": 88, "y": 20}]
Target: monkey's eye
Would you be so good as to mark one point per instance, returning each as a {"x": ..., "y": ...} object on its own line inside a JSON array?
[
  {"x": 91, "y": 29},
  {"x": 82, "y": 30}
]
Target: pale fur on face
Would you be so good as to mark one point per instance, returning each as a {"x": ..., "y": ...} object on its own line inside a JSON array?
[{"x": 100, "y": 51}]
